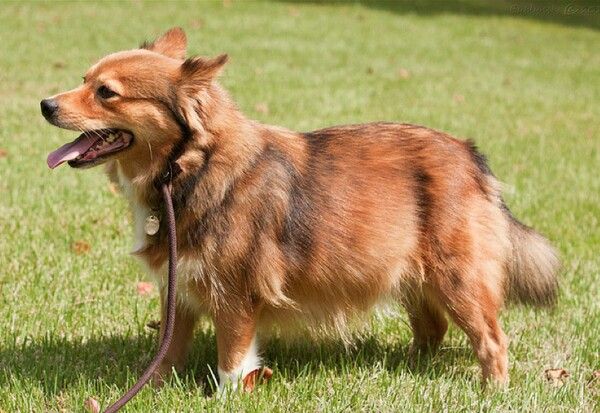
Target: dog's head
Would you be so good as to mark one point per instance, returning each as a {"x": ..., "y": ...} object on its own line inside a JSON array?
[{"x": 132, "y": 103}]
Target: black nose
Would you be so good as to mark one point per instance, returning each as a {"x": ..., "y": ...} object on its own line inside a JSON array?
[{"x": 49, "y": 107}]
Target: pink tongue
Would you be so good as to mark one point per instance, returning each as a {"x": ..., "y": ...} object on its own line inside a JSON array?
[{"x": 70, "y": 150}]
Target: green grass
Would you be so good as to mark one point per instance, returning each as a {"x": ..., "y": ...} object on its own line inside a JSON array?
[{"x": 524, "y": 85}]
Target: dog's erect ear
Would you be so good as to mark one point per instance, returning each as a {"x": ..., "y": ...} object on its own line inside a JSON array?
[
  {"x": 171, "y": 44},
  {"x": 200, "y": 70}
]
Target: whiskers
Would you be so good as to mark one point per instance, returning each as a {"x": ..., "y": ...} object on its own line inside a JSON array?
[
  {"x": 76, "y": 121},
  {"x": 97, "y": 134},
  {"x": 150, "y": 150}
]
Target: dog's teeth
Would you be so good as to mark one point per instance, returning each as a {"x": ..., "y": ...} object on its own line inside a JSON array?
[{"x": 111, "y": 138}]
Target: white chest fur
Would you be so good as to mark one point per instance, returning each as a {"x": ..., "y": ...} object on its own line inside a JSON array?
[
  {"x": 185, "y": 269},
  {"x": 140, "y": 211}
]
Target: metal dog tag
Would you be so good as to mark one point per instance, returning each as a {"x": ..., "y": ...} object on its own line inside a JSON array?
[{"x": 151, "y": 225}]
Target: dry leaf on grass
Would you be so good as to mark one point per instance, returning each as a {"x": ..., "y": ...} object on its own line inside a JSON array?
[
  {"x": 293, "y": 11},
  {"x": 556, "y": 377},
  {"x": 255, "y": 377},
  {"x": 458, "y": 98},
  {"x": 403, "y": 73},
  {"x": 196, "y": 24},
  {"x": 595, "y": 379},
  {"x": 91, "y": 405},
  {"x": 153, "y": 324},
  {"x": 3, "y": 153},
  {"x": 261, "y": 108},
  {"x": 144, "y": 288},
  {"x": 81, "y": 247}
]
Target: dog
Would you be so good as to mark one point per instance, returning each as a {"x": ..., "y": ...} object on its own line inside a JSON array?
[{"x": 280, "y": 228}]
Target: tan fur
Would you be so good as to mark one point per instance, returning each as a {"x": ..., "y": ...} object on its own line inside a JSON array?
[{"x": 279, "y": 227}]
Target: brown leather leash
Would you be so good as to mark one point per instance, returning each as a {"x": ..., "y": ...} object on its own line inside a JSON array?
[{"x": 166, "y": 189}]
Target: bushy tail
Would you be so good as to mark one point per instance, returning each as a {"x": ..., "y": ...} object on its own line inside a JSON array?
[{"x": 532, "y": 266}]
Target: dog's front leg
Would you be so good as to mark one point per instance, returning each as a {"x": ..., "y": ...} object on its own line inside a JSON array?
[
  {"x": 239, "y": 362},
  {"x": 185, "y": 321}
]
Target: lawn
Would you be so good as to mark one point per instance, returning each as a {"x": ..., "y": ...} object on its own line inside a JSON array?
[{"x": 524, "y": 83}]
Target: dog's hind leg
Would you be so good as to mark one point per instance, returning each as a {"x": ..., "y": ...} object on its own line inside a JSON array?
[
  {"x": 474, "y": 307},
  {"x": 427, "y": 320}
]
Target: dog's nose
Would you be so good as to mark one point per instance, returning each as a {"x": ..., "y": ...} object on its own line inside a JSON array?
[{"x": 49, "y": 107}]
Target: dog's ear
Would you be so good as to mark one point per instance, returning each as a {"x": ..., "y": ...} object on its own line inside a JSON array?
[
  {"x": 171, "y": 44},
  {"x": 199, "y": 71},
  {"x": 195, "y": 77}
]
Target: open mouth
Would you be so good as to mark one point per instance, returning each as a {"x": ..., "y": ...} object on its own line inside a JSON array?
[{"x": 91, "y": 148}]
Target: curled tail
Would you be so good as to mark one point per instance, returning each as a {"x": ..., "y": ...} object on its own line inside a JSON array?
[{"x": 532, "y": 266}]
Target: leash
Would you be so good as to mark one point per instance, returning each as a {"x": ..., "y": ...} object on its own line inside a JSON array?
[{"x": 165, "y": 188}]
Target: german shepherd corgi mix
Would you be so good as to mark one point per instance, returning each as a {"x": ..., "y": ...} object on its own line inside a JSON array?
[{"x": 277, "y": 227}]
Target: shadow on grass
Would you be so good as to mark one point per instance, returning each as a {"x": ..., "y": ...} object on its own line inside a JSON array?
[
  {"x": 58, "y": 363},
  {"x": 309, "y": 357},
  {"x": 583, "y": 13}
]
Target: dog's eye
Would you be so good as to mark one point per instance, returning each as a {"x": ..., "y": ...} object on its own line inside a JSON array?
[{"x": 105, "y": 93}]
